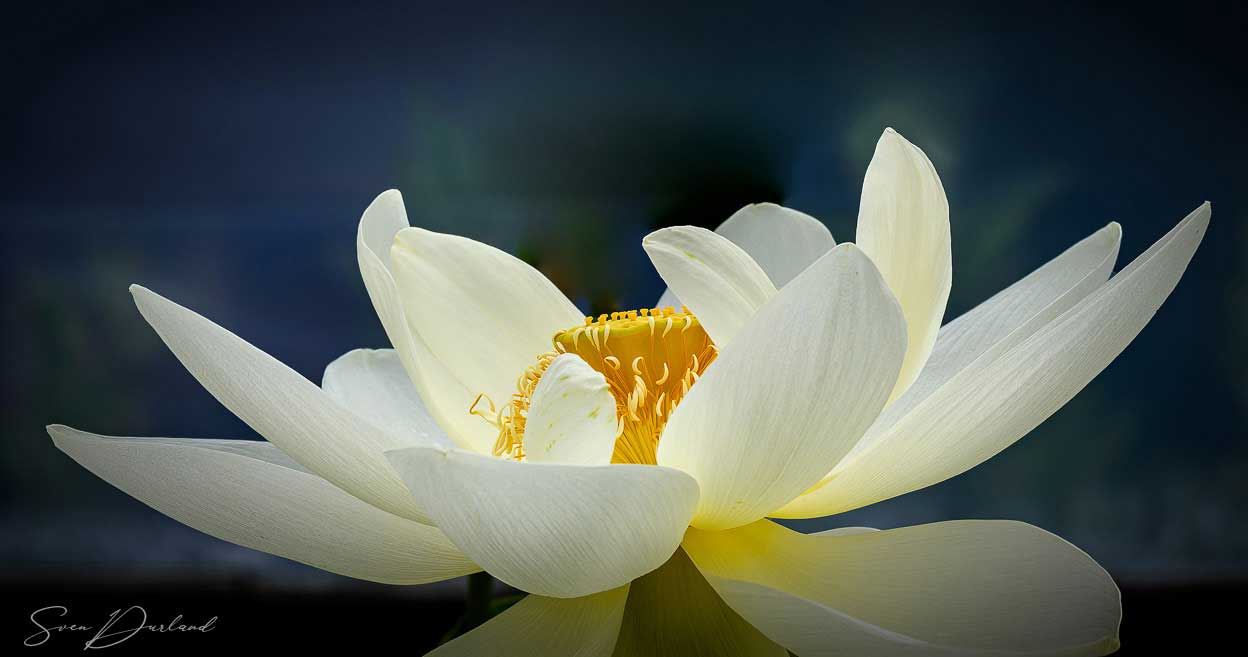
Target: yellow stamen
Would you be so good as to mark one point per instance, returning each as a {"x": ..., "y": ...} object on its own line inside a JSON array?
[
  {"x": 663, "y": 365},
  {"x": 511, "y": 418}
]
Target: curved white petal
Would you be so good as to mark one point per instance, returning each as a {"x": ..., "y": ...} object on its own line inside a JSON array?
[
  {"x": 373, "y": 384},
  {"x": 783, "y": 242},
  {"x": 713, "y": 277},
  {"x": 487, "y": 314},
  {"x": 903, "y": 224},
  {"x": 791, "y": 394},
  {"x": 251, "y": 494},
  {"x": 1010, "y": 316},
  {"x": 999, "y": 323},
  {"x": 287, "y": 409},
  {"x": 1020, "y": 309},
  {"x": 446, "y": 397},
  {"x": 571, "y": 415},
  {"x": 547, "y": 627},
  {"x": 1006, "y": 393},
  {"x": 556, "y": 530},
  {"x": 988, "y": 587},
  {"x": 673, "y": 612}
]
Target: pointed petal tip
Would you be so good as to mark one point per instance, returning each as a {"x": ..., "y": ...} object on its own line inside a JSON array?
[
  {"x": 891, "y": 135},
  {"x": 62, "y": 435},
  {"x": 847, "y": 249},
  {"x": 653, "y": 236},
  {"x": 1205, "y": 210},
  {"x": 143, "y": 297},
  {"x": 387, "y": 195},
  {"x": 1110, "y": 232}
]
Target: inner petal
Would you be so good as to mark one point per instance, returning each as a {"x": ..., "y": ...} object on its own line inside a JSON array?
[{"x": 650, "y": 358}]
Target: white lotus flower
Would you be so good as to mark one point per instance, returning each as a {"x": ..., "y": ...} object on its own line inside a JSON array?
[{"x": 623, "y": 472}]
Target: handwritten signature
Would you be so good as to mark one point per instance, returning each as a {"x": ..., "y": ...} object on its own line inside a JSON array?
[{"x": 120, "y": 626}]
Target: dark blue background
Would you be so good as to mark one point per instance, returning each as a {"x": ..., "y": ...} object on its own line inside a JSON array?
[{"x": 222, "y": 155}]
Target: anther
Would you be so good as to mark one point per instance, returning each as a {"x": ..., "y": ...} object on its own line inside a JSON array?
[{"x": 663, "y": 379}]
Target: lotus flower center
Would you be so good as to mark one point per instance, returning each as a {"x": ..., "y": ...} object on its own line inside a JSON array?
[{"x": 650, "y": 359}]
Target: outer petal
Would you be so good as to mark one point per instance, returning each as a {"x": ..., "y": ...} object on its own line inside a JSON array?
[
  {"x": 373, "y": 384},
  {"x": 287, "y": 409},
  {"x": 556, "y": 530},
  {"x": 250, "y": 493},
  {"x": 903, "y": 224},
  {"x": 485, "y": 313},
  {"x": 783, "y": 242},
  {"x": 1001, "y": 322},
  {"x": 791, "y": 394},
  {"x": 978, "y": 587},
  {"x": 1022, "y": 308},
  {"x": 547, "y": 627},
  {"x": 445, "y": 396},
  {"x": 674, "y": 612},
  {"x": 571, "y": 416},
  {"x": 714, "y": 277},
  {"x": 1005, "y": 394}
]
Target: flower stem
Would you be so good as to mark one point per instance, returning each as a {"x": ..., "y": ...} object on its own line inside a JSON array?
[
  {"x": 480, "y": 593},
  {"x": 477, "y": 607}
]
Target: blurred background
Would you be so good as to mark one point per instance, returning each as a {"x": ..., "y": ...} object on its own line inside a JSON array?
[{"x": 221, "y": 154}]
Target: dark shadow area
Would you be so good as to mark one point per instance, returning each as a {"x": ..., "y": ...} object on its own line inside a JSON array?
[{"x": 357, "y": 616}]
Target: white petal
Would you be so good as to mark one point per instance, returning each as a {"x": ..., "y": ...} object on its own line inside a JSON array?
[
  {"x": 373, "y": 384},
  {"x": 1010, "y": 316},
  {"x": 903, "y": 224},
  {"x": 968, "y": 587},
  {"x": 783, "y": 242},
  {"x": 791, "y": 394},
  {"x": 250, "y": 493},
  {"x": 571, "y": 416},
  {"x": 674, "y": 612},
  {"x": 845, "y": 531},
  {"x": 713, "y": 277},
  {"x": 550, "y": 529},
  {"x": 446, "y": 398},
  {"x": 287, "y": 409},
  {"x": 1019, "y": 310},
  {"x": 996, "y": 400},
  {"x": 547, "y": 627},
  {"x": 485, "y": 313},
  {"x": 999, "y": 323}
]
